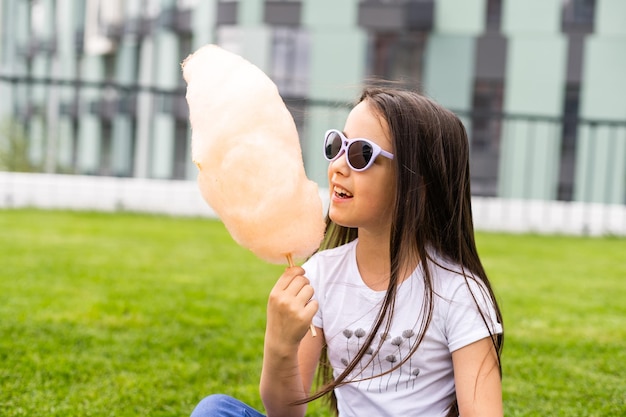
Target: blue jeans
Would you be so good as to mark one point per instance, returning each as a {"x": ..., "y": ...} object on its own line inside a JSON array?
[{"x": 220, "y": 405}]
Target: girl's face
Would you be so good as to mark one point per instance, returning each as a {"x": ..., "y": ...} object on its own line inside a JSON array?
[{"x": 363, "y": 199}]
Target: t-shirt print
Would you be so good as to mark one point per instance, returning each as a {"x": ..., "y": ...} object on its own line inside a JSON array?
[{"x": 386, "y": 352}]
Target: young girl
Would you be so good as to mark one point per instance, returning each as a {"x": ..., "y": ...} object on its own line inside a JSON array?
[{"x": 404, "y": 312}]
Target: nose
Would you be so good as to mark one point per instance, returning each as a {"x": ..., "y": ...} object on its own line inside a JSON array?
[{"x": 339, "y": 166}]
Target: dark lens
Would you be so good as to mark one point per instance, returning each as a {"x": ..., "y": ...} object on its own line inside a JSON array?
[
  {"x": 360, "y": 154},
  {"x": 333, "y": 145}
]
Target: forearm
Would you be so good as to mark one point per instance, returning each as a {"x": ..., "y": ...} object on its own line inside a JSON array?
[
  {"x": 289, "y": 314},
  {"x": 281, "y": 381}
]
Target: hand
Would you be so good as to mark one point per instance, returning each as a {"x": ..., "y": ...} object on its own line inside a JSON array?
[{"x": 290, "y": 309}]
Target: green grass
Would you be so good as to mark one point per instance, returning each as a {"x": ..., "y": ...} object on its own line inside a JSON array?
[
  {"x": 564, "y": 305},
  {"x": 133, "y": 315}
]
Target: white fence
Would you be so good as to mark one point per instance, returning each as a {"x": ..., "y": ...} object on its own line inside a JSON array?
[
  {"x": 182, "y": 198},
  {"x": 77, "y": 192}
]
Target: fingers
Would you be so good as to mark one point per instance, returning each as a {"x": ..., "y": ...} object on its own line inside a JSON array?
[
  {"x": 293, "y": 283},
  {"x": 310, "y": 308},
  {"x": 305, "y": 293},
  {"x": 292, "y": 289},
  {"x": 290, "y": 273},
  {"x": 290, "y": 306}
]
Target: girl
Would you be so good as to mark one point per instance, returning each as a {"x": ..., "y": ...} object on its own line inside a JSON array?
[{"x": 406, "y": 319}]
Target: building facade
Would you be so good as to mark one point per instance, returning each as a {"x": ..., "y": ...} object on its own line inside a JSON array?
[{"x": 95, "y": 87}]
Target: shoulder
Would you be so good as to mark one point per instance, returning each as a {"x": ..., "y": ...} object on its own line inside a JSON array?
[
  {"x": 323, "y": 262},
  {"x": 452, "y": 282},
  {"x": 467, "y": 309}
]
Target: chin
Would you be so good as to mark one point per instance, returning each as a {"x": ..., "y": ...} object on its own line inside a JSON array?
[
  {"x": 338, "y": 220},
  {"x": 332, "y": 215}
]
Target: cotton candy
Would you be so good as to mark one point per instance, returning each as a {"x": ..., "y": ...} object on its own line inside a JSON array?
[{"x": 245, "y": 145}]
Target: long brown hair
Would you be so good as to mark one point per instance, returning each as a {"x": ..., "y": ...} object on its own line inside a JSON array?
[{"x": 432, "y": 212}]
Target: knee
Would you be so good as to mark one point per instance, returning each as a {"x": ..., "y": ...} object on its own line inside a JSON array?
[
  {"x": 217, "y": 399},
  {"x": 213, "y": 405}
]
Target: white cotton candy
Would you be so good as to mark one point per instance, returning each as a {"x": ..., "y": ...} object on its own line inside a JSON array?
[{"x": 245, "y": 145}]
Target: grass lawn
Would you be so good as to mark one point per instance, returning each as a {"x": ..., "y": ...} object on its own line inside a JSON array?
[{"x": 136, "y": 315}]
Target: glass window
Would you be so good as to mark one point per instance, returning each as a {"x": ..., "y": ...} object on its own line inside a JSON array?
[
  {"x": 486, "y": 130},
  {"x": 397, "y": 56},
  {"x": 186, "y": 4},
  {"x": 494, "y": 15},
  {"x": 578, "y": 15},
  {"x": 229, "y": 38},
  {"x": 568, "y": 142},
  {"x": 290, "y": 61}
]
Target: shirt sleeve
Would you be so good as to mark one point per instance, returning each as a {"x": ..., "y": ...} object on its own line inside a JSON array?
[{"x": 464, "y": 322}]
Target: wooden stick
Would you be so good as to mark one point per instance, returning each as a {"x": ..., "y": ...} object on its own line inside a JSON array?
[{"x": 311, "y": 327}]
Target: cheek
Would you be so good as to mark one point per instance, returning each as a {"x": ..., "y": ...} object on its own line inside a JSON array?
[
  {"x": 387, "y": 193},
  {"x": 387, "y": 203},
  {"x": 382, "y": 197}
]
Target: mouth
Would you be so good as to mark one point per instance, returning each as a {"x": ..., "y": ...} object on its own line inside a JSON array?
[{"x": 341, "y": 192}]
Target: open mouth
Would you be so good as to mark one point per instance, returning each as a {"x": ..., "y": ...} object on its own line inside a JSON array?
[{"x": 341, "y": 193}]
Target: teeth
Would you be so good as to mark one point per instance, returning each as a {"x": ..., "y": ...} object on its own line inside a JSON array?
[{"x": 340, "y": 191}]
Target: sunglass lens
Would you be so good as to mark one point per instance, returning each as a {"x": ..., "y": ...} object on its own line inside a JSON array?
[
  {"x": 333, "y": 145},
  {"x": 359, "y": 154}
]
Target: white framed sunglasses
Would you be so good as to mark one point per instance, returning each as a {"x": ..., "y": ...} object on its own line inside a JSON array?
[{"x": 360, "y": 153}]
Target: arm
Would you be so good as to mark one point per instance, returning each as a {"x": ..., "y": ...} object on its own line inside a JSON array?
[
  {"x": 477, "y": 380},
  {"x": 290, "y": 354}
]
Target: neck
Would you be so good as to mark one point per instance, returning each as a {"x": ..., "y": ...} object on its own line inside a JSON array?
[{"x": 374, "y": 261}]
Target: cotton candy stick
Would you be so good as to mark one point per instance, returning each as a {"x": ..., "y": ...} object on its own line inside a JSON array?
[{"x": 246, "y": 147}]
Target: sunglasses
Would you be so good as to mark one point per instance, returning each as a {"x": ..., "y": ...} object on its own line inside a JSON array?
[{"x": 360, "y": 153}]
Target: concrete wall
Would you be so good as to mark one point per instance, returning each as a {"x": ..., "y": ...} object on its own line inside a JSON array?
[
  {"x": 535, "y": 85},
  {"x": 601, "y": 160},
  {"x": 451, "y": 51},
  {"x": 338, "y": 60}
]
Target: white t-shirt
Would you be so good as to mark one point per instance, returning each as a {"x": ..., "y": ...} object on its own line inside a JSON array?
[{"x": 424, "y": 385}]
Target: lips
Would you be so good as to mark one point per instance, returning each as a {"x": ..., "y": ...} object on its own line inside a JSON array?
[{"x": 341, "y": 192}]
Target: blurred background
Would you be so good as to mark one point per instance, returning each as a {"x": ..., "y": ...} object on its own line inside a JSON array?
[{"x": 92, "y": 98}]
